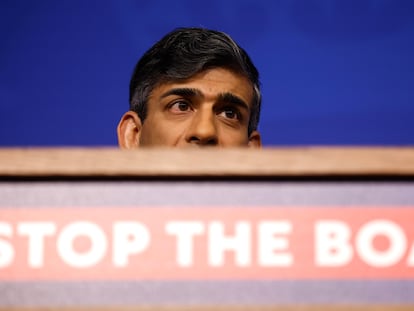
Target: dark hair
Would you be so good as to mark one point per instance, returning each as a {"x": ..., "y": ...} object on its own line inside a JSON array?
[{"x": 185, "y": 52}]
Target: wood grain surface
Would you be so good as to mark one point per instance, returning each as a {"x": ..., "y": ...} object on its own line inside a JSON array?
[{"x": 312, "y": 161}]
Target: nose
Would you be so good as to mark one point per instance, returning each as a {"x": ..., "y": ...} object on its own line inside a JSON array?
[{"x": 202, "y": 130}]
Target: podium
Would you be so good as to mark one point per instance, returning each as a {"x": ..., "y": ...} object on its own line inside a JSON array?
[{"x": 231, "y": 229}]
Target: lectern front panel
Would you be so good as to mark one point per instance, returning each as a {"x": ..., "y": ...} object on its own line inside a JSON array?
[{"x": 207, "y": 243}]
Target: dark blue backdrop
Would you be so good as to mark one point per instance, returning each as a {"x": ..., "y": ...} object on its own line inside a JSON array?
[{"x": 333, "y": 71}]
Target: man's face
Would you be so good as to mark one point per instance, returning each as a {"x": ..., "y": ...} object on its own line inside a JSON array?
[{"x": 210, "y": 109}]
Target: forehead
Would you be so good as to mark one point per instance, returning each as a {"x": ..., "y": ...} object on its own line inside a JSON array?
[{"x": 211, "y": 83}]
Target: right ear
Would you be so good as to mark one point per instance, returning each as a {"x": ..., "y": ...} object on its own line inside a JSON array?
[{"x": 129, "y": 130}]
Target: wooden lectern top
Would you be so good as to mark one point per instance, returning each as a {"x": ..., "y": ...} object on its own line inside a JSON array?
[{"x": 267, "y": 162}]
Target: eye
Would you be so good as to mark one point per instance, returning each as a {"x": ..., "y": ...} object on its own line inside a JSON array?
[
  {"x": 179, "y": 106},
  {"x": 230, "y": 113}
]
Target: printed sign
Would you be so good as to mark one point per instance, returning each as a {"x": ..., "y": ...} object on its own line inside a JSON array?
[{"x": 217, "y": 243}]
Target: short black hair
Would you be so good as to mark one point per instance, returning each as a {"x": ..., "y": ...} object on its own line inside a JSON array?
[{"x": 184, "y": 52}]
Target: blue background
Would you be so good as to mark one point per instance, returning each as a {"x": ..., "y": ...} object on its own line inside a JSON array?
[{"x": 333, "y": 72}]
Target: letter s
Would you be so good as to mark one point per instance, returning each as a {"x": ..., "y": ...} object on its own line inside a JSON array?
[{"x": 6, "y": 249}]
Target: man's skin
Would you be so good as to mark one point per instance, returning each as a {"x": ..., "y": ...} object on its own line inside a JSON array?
[{"x": 211, "y": 108}]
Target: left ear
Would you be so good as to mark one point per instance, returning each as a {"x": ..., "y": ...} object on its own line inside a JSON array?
[{"x": 254, "y": 140}]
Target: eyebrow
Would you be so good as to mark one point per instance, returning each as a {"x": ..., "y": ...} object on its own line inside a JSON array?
[
  {"x": 225, "y": 97},
  {"x": 234, "y": 100},
  {"x": 184, "y": 91}
]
